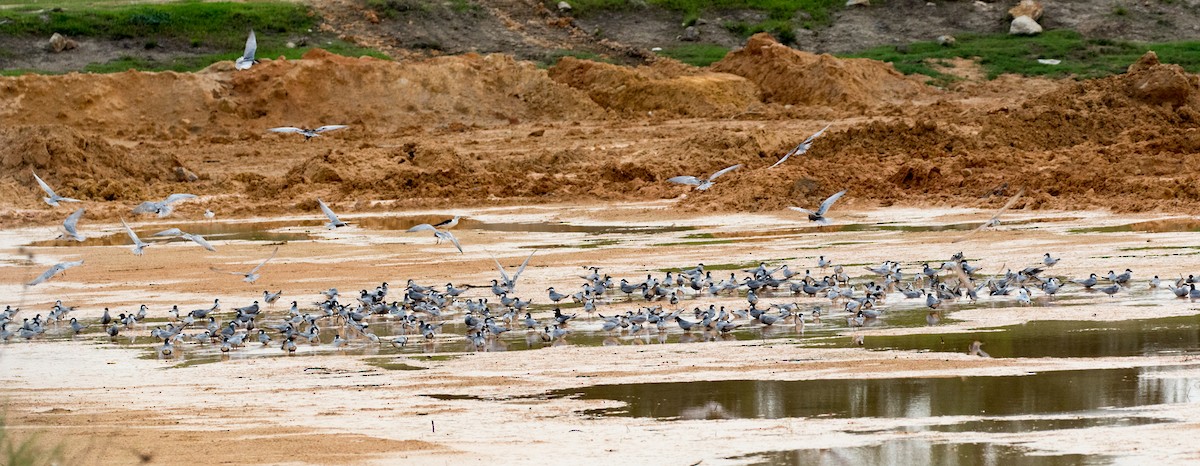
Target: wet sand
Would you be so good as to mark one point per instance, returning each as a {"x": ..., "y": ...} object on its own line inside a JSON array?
[{"x": 113, "y": 402}]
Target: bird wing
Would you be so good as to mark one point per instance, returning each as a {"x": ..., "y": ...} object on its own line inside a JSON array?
[
  {"x": 503, "y": 274},
  {"x": 808, "y": 142},
  {"x": 178, "y": 197},
  {"x": 200, "y": 240},
  {"x": 724, "y": 171},
  {"x": 801, "y": 209},
  {"x": 286, "y": 129},
  {"x": 45, "y": 187},
  {"x": 450, "y": 236},
  {"x": 170, "y": 232},
  {"x": 328, "y": 213},
  {"x": 56, "y": 268},
  {"x": 522, "y": 268},
  {"x": 972, "y": 232},
  {"x": 784, "y": 159},
  {"x": 255, "y": 270},
  {"x": 69, "y": 223},
  {"x": 422, "y": 227},
  {"x": 328, "y": 128},
  {"x": 445, "y": 222},
  {"x": 133, "y": 236},
  {"x": 251, "y": 46},
  {"x": 829, "y": 202},
  {"x": 67, "y": 265},
  {"x": 689, "y": 180},
  {"x": 214, "y": 269},
  {"x": 146, "y": 207}
]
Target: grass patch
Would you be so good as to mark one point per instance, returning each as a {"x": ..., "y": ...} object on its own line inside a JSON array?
[
  {"x": 696, "y": 54},
  {"x": 198, "y": 62},
  {"x": 1000, "y": 53},
  {"x": 220, "y": 25},
  {"x": 695, "y": 243},
  {"x": 552, "y": 58}
]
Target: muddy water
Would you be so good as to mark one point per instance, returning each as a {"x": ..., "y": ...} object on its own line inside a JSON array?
[{"x": 1041, "y": 393}]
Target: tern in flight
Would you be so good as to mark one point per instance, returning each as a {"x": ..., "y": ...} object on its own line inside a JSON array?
[
  {"x": 307, "y": 133},
  {"x": 995, "y": 220},
  {"x": 819, "y": 215},
  {"x": 509, "y": 283},
  {"x": 54, "y": 199},
  {"x": 252, "y": 275},
  {"x": 68, "y": 226},
  {"x": 800, "y": 149},
  {"x": 138, "y": 244},
  {"x": 52, "y": 271},
  {"x": 439, "y": 234},
  {"x": 705, "y": 184},
  {"x": 162, "y": 209},
  {"x": 187, "y": 236},
  {"x": 247, "y": 59},
  {"x": 333, "y": 220}
]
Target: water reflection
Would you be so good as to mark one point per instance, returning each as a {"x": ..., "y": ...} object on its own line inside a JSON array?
[
  {"x": 916, "y": 451},
  {"x": 1059, "y": 339},
  {"x": 1041, "y": 393}
]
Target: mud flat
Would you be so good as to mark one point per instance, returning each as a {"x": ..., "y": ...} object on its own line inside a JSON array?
[{"x": 1067, "y": 372}]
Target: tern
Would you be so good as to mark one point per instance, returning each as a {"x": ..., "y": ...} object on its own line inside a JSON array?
[
  {"x": 247, "y": 59},
  {"x": 162, "y": 209},
  {"x": 333, "y": 220},
  {"x": 138, "y": 244},
  {"x": 510, "y": 283},
  {"x": 252, "y": 275},
  {"x": 705, "y": 184},
  {"x": 68, "y": 226},
  {"x": 819, "y": 215},
  {"x": 54, "y": 270},
  {"x": 448, "y": 224},
  {"x": 187, "y": 236},
  {"x": 53, "y": 198},
  {"x": 802, "y": 148},
  {"x": 439, "y": 234},
  {"x": 307, "y": 133}
]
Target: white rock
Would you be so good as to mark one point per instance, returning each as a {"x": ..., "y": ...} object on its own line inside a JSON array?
[
  {"x": 564, "y": 6},
  {"x": 858, "y": 2},
  {"x": 1024, "y": 26}
]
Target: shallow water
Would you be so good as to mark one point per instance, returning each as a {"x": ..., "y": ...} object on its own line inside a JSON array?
[
  {"x": 1039, "y": 393},
  {"x": 919, "y": 451}
]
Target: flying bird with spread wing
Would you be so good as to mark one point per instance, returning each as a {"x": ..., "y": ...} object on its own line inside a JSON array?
[
  {"x": 252, "y": 275},
  {"x": 307, "y": 133},
  {"x": 802, "y": 148},
  {"x": 52, "y": 199},
  {"x": 247, "y": 59},
  {"x": 819, "y": 215},
  {"x": 54, "y": 270},
  {"x": 702, "y": 185}
]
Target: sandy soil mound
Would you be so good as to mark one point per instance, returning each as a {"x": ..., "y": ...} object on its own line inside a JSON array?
[
  {"x": 666, "y": 86},
  {"x": 320, "y": 89},
  {"x": 789, "y": 76},
  {"x": 75, "y": 165}
]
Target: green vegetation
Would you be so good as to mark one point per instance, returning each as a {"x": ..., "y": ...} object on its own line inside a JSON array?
[
  {"x": 999, "y": 54},
  {"x": 192, "y": 26},
  {"x": 696, "y": 54},
  {"x": 781, "y": 14},
  {"x": 220, "y": 25}
]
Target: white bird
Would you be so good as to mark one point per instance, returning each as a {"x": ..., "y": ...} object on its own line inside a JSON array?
[
  {"x": 247, "y": 60},
  {"x": 439, "y": 234},
  {"x": 307, "y": 133},
  {"x": 187, "y": 236},
  {"x": 252, "y": 275},
  {"x": 54, "y": 199},
  {"x": 511, "y": 282},
  {"x": 68, "y": 226},
  {"x": 333, "y": 220},
  {"x": 819, "y": 215},
  {"x": 448, "y": 224},
  {"x": 162, "y": 209},
  {"x": 802, "y": 148},
  {"x": 138, "y": 244},
  {"x": 59, "y": 267},
  {"x": 209, "y": 214},
  {"x": 705, "y": 184}
]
